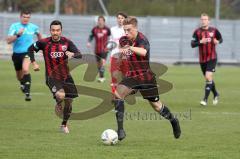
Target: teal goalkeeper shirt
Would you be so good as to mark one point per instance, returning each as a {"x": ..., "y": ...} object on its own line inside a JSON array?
[{"x": 21, "y": 44}]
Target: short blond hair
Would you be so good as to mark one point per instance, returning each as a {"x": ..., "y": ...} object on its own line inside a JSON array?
[
  {"x": 130, "y": 20},
  {"x": 205, "y": 15}
]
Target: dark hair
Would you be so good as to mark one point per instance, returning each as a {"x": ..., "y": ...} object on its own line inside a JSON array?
[
  {"x": 122, "y": 14},
  {"x": 130, "y": 20},
  {"x": 101, "y": 17},
  {"x": 25, "y": 11},
  {"x": 56, "y": 22}
]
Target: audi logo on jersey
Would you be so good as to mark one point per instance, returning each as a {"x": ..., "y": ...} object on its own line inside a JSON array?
[
  {"x": 209, "y": 40},
  {"x": 129, "y": 53},
  {"x": 57, "y": 54}
]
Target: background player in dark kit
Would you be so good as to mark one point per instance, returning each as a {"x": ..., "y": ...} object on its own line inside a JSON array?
[
  {"x": 206, "y": 38},
  {"x": 101, "y": 35}
]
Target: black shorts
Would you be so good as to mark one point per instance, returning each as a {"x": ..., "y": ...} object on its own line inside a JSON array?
[
  {"x": 148, "y": 88},
  {"x": 67, "y": 85},
  {"x": 101, "y": 56},
  {"x": 208, "y": 66},
  {"x": 17, "y": 59}
]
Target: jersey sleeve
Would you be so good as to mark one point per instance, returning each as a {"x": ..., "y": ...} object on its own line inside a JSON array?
[
  {"x": 38, "y": 45},
  {"x": 72, "y": 48},
  {"x": 35, "y": 47},
  {"x": 195, "y": 41},
  {"x": 12, "y": 30},
  {"x": 144, "y": 44},
  {"x": 219, "y": 36},
  {"x": 91, "y": 36},
  {"x": 109, "y": 32}
]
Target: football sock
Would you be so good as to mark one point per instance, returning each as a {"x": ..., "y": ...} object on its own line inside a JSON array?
[
  {"x": 214, "y": 90},
  {"x": 66, "y": 114},
  {"x": 59, "y": 102},
  {"x": 21, "y": 82},
  {"x": 101, "y": 71},
  {"x": 208, "y": 88},
  {"x": 119, "y": 108},
  {"x": 27, "y": 83},
  {"x": 165, "y": 112}
]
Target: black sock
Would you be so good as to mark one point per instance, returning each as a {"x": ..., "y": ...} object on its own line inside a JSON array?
[
  {"x": 66, "y": 114},
  {"x": 119, "y": 108},
  {"x": 214, "y": 90},
  {"x": 59, "y": 102},
  {"x": 27, "y": 83},
  {"x": 22, "y": 87},
  {"x": 165, "y": 112},
  {"x": 21, "y": 82},
  {"x": 208, "y": 88},
  {"x": 101, "y": 72}
]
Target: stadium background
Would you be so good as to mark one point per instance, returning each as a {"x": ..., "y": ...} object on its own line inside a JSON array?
[{"x": 169, "y": 35}]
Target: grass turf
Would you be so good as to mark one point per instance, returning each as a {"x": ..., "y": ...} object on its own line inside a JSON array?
[{"x": 29, "y": 130}]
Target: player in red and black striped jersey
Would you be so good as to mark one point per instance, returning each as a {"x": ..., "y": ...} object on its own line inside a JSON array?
[
  {"x": 101, "y": 35},
  {"x": 56, "y": 52},
  {"x": 206, "y": 38},
  {"x": 136, "y": 48}
]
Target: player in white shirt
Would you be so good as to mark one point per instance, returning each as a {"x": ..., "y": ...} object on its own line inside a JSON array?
[{"x": 118, "y": 65}]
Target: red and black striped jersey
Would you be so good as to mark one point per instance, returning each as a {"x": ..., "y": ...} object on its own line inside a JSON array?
[
  {"x": 56, "y": 61},
  {"x": 207, "y": 51},
  {"x": 101, "y": 38},
  {"x": 139, "y": 67}
]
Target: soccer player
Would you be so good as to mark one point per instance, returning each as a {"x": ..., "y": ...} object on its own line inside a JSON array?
[
  {"x": 21, "y": 34},
  {"x": 101, "y": 34},
  {"x": 206, "y": 38},
  {"x": 136, "y": 48},
  {"x": 56, "y": 52},
  {"x": 118, "y": 66}
]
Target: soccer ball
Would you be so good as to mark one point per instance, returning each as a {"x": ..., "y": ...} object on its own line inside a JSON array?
[
  {"x": 109, "y": 137},
  {"x": 111, "y": 45}
]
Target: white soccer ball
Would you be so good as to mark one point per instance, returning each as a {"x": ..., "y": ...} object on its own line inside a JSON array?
[
  {"x": 111, "y": 45},
  {"x": 109, "y": 137}
]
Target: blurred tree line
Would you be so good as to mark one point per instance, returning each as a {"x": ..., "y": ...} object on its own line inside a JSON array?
[{"x": 229, "y": 8}]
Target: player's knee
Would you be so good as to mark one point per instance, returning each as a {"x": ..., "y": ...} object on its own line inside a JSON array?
[
  {"x": 209, "y": 76},
  {"x": 118, "y": 94},
  {"x": 153, "y": 99},
  {"x": 60, "y": 95},
  {"x": 155, "y": 103}
]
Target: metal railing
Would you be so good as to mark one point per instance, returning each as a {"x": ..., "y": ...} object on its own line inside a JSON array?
[{"x": 169, "y": 36}]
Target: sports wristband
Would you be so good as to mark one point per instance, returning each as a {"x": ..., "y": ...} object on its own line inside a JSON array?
[{"x": 18, "y": 35}]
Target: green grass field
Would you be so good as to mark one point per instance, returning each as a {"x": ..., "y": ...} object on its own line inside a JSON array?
[{"x": 30, "y": 130}]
